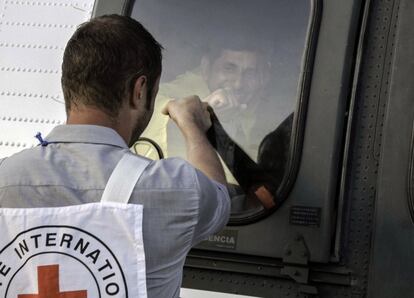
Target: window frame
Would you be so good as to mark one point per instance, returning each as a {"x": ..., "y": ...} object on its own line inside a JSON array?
[
  {"x": 318, "y": 169},
  {"x": 250, "y": 216}
]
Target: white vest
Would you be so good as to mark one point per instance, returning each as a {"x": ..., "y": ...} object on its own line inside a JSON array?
[{"x": 83, "y": 251}]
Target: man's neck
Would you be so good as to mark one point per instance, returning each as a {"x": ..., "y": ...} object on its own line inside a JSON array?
[{"x": 94, "y": 116}]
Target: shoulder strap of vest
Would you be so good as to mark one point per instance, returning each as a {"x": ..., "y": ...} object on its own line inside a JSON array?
[{"x": 124, "y": 178}]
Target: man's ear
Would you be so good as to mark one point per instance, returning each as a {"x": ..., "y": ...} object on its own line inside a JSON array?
[
  {"x": 139, "y": 92},
  {"x": 205, "y": 67}
]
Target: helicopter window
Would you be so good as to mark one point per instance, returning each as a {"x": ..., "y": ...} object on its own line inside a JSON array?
[{"x": 245, "y": 59}]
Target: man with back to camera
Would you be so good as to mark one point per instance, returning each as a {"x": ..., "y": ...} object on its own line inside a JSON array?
[{"x": 110, "y": 76}]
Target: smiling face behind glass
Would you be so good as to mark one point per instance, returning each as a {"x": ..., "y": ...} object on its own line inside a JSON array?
[{"x": 235, "y": 78}]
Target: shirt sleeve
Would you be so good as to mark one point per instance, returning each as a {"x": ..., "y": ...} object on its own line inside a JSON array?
[{"x": 214, "y": 208}]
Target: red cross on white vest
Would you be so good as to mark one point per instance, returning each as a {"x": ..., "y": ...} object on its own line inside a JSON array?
[{"x": 48, "y": 284}]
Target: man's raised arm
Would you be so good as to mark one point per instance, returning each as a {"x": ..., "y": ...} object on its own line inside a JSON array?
[{"x": 193, "y": 120}]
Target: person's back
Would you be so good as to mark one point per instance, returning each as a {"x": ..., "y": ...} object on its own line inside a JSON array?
[
  {"x": 76, "y": 172},
  {"x": 72, "y": 166}
]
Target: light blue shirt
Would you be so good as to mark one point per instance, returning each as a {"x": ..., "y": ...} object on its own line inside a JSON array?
[{"x": 181, "y": 205}]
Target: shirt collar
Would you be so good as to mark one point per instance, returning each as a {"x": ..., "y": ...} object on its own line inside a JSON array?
[{"x": 91, "y": 134}]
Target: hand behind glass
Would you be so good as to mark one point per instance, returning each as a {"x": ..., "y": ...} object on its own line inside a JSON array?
[{"x": 224, "y": 99}]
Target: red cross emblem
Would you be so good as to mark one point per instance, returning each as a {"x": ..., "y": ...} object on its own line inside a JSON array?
[{"x": 48, "y": 284}]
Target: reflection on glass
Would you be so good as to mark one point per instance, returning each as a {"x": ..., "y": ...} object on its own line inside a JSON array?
[{"x": 244, "y": 59}]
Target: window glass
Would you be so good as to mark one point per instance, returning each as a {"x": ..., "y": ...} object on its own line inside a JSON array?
[{"x": 245, "y": 59}]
